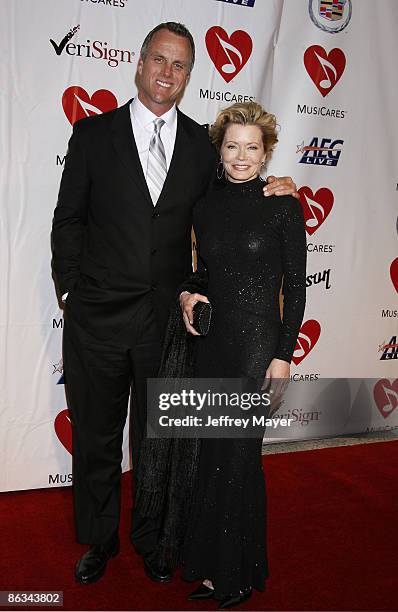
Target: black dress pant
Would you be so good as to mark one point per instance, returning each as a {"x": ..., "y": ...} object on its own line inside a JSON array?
[{"x": 98, "y": 377}]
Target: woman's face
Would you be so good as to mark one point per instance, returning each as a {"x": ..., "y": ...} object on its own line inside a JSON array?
[{"x": 242, "y": 152}]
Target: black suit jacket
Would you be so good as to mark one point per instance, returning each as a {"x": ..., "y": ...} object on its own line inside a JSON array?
[{"x": 111, "y": 246}]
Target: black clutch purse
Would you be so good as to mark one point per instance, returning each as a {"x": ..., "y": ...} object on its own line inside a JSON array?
[{"x": 202, "y": 317}]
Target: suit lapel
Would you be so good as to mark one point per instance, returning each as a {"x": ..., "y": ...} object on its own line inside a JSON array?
[{"x": 124, "y": 143}]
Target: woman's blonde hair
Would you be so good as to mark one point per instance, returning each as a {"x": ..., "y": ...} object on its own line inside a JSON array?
[{"x": 249, "y": 113}]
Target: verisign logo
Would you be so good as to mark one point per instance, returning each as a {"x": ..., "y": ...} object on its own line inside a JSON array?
[{"x": 92, "y": 49}]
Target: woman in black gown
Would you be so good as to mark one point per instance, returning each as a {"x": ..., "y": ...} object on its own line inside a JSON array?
[{"x": 248, "y": 244}]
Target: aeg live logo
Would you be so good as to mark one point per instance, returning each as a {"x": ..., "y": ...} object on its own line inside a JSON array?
[{"x": 320, "y": 151}]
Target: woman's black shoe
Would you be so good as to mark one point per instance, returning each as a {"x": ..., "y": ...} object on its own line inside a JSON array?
[
  {"x": 202, "y": 592},
  {"x": 231, "y": 602}
]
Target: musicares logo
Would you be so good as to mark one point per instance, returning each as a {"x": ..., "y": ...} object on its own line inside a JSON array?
[
  {"x": 113, "y": 3},
  {"x": 394, "y": 273},
  {"x": 77, "y": 103},
  {"x": 325, "y": 69},
  {"x": 385, "y": 394},
  {"x": 63, "y": 429},
  {"x": 228, "y": 53},
  {"x": 307, "y": 339},
  {"x": 316, "y": 207}
]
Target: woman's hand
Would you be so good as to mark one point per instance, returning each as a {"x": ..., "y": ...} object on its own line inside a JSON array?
[
  {"x": 276, "y": 380},
  {"x": 278, "y": 369},
  {"x": 187, "y": 302}
]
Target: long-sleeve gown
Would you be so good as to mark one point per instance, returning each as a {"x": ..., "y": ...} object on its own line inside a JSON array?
[{"x": 247, "y": 243}]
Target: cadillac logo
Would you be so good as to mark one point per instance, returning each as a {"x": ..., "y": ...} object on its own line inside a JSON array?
[{"x": 330, "y": 15}]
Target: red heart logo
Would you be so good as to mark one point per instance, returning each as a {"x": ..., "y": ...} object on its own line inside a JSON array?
[
  {"x": 316, "y": 207},
  {"x": 386, "y": 396},
  {"x": 228, "y": 53},
  {"x": 394, "y": 273},
  {"x": 325, "y": 69},
  {"x": 307, "y": 339},
  {"x": 77, "y": 104},
  {"x": 63, "y": 429}
]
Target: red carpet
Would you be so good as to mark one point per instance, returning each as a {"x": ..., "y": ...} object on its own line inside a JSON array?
[{"x": 333, "y": 539}]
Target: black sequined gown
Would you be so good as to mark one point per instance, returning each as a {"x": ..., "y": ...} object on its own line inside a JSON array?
[{"x": 247, "y": 243}]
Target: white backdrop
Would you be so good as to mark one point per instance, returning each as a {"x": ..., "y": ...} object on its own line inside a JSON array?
[{"x": 327, "y": 69}]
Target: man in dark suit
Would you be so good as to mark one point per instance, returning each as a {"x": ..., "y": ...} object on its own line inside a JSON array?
[{"x": 121, "y": 246}]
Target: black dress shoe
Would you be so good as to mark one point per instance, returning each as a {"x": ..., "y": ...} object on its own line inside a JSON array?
[
  {"x": 92, "y": 565},
  {"x": 157, "y": 574},
  {"x": 231, "y": 602},
  {"x": 202, "y": 592}
]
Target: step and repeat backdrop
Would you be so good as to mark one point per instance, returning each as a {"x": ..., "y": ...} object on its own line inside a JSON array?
[{"x": 326, "y": 69}]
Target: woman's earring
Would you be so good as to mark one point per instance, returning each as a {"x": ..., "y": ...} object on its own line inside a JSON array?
[
  {"x": 220, "y": 167},
  {"x": 262, "y": 166}
]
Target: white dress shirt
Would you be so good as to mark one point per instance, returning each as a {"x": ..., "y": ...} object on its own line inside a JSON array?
[{"x": 142, "y": 123}]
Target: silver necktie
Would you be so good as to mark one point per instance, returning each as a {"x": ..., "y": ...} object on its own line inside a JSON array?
[{"x": 157, "y": 167}]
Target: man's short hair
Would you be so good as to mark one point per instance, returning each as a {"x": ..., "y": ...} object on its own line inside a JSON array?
[{"x": 176, "y": 28}]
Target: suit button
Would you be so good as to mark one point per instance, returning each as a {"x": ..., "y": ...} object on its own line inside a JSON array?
[
  {"x": 155, "y": 215},
  {"x": 153, "y": 251},
  {"x": 153, "y": 287}
]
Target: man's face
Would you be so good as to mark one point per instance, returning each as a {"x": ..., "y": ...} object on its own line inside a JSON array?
[{"x": 164, "y": 72}]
